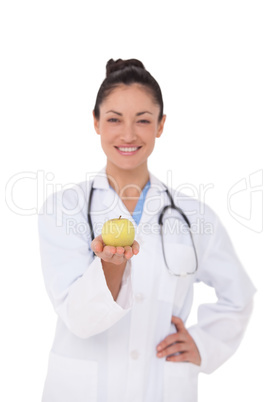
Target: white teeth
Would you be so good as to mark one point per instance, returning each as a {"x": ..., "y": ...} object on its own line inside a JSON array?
[{"x": 129, "y": 149}]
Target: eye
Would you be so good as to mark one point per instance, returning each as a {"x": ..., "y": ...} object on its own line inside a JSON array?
[
  {"x": 113, "y": 120},
  {"x": 144, "y": 121}
]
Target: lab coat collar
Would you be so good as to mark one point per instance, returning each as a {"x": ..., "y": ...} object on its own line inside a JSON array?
[
  {"x": 101, "y": 182},
  {"x": 155, "y": 195}
]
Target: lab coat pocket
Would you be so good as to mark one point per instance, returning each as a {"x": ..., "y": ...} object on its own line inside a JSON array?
[
  {"x": 70, "y": 380},
  {"x": 180, "y": 382}
]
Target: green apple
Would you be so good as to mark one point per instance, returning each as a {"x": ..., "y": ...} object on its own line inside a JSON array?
[{"x": 118, "y": 232}]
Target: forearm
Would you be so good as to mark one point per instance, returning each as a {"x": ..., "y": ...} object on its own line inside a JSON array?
[
  {"x": 75, "y": 282},
  {"x": 113, "y": 275}
]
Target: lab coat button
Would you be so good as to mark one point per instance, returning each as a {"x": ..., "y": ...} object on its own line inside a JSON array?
[
  {"x": 134, "y": 354},
  {"x": 139, "y": 297}
]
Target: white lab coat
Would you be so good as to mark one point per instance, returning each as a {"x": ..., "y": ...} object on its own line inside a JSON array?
[{"x": 105, "y": 350}]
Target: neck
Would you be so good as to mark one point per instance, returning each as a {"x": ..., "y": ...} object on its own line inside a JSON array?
[{"x": 127, "y": 182}]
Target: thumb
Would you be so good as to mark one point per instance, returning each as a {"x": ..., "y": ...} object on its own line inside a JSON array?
[
  {"x": 135, "y": 247},
  {"x": 177, "y": 321},
  {"x": 97, "y": 244}
]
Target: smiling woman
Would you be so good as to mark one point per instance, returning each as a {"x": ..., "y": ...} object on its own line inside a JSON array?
[
  {"x": 122, "y": 310},
  {"x": 128, "y": 124}
]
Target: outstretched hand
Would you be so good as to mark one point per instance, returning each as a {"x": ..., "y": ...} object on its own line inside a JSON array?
[
  {"x": 115, "y": 255},
  {"x": 179, "y": 347}
]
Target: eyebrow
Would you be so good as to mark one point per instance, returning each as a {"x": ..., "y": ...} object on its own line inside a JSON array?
[{"x": 120, "y": 114}]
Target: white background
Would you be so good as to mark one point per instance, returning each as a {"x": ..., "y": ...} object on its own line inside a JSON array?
[{"x": 210, "y": 59}]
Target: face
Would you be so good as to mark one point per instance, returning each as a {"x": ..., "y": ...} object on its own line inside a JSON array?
[{"x": 128, "y": 126}]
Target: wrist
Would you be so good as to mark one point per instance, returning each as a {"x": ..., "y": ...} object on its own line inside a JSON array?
[
  {"x": 113, "y": 274},
  {"x": 111, "y": 265}
]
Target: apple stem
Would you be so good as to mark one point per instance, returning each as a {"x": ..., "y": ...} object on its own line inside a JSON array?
[{"x": 120, "y": 216}]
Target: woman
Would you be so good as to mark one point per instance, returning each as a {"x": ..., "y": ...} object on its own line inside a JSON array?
[{"x": 121, "y": 332}]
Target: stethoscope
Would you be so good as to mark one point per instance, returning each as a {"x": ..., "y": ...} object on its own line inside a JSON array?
[{"x": 171, "y": 206}]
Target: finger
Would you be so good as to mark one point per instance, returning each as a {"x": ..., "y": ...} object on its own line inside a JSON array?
[
  {"x": 135, "y": 247},
  {"x": 172, "y": 349},
  {"x": 97, "y": 245},
  {"x": 185, "y": 357},
  {"x": 128, "y": 252},
  {"x": 191, "y": 355},
  {"x": 169, "y": 340},
  {"x": 179, "y": 324},
  {"x": 120, "y": 250},
  {"x": 109, "y": 251},
  {"x": 177, "y": 337},
  {"x": 117, "y": 259},
  {"x": 182, "y": 357}
]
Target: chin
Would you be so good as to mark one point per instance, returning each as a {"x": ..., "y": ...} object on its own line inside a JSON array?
[{"x": 128, "y": 165}]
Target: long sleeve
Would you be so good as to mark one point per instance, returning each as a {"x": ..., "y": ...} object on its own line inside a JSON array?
[
  {"x": 74, "y": 280},
  {"x": 221, "y": 325}
]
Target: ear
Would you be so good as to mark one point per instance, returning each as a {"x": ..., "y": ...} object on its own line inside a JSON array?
[
  {"x": 96, "y": 123},
  {"x": 161, "y": 126}
]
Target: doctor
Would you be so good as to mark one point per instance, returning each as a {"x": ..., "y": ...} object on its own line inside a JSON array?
[{"x": 121, "y": 333}]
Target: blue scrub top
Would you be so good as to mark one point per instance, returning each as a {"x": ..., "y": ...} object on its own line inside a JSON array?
[{"x": 140, "y": 204}]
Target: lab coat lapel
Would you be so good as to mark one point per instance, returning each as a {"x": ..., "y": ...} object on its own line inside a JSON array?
[
  {"x": 113, "y": 205},
  {"x": 155, "y": 200}
]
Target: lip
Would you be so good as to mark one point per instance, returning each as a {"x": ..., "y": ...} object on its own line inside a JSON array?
[{"x": 127, "y": 153}]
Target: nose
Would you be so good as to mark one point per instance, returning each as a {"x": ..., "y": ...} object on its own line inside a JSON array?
[{"x": 129, "y": 133}]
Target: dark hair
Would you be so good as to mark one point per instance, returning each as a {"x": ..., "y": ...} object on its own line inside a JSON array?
[{"x": 127, "y": 72}]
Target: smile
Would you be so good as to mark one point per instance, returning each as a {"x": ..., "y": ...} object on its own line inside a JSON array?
[{"x": 127, "y": 150}]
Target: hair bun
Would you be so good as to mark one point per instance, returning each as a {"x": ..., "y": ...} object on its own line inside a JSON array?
[{"x": 120, "y": 64}]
